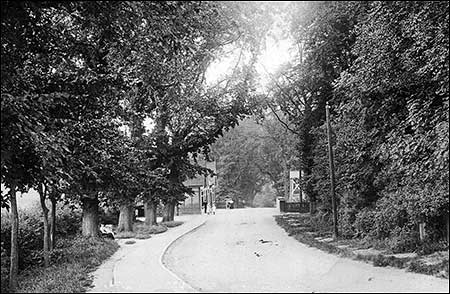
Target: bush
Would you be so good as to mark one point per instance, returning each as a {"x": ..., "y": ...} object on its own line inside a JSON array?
[
  {"x": 31, "y": 234},
  {"x": 429, "y": 246},
  {"x": 347, "y": 219},
  {"x": 321, "y": 222},
  {"x": 365, "y": 222},
  {"x": 441, "y": 269},
  {"x": 4, "y": 270},
  {"x": 29, "y": 239},
  {"x": 68, "y": 220},
  {"x": 403, "y": 240}
]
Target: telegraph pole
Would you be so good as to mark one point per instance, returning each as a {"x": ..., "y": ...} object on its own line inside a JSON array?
[{"x": 330, "y": 154}]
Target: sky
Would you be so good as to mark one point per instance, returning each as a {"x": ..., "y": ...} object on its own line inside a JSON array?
[{"x": 277, "y": 51}]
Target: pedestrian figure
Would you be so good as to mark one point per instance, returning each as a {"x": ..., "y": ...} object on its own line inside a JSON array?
[
  {"x": 204, "y": 206},
  {"x": 208, "y": 209},
  {"x": 106, "y": 231}
]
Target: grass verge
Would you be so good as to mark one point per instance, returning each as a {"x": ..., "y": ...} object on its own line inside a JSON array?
[
  {"x": 300, "y": 228},
  {"x": 172, "y": 224},
  {"x": 142, "y": 231},
  {"x": 72, "y": 262}
]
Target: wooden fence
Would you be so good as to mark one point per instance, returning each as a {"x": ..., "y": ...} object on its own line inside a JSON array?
[{"x": 302, "y": 207}]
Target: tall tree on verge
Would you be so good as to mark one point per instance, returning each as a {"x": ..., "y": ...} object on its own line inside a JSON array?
[
  {"x": 50, "y": 57},
  {"x": 166, "y": 64},
  {"x": 323, "y": 33},
  {"x": 25, "y": 42},
  {"x": 89, "y": 30}
]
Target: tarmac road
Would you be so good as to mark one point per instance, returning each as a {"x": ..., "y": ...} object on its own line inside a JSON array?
[{"x": 244, "y": 250}]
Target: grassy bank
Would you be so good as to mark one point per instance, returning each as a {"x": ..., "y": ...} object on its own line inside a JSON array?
[
  {"x": 72, "y": 261},
  {"x": 143, "y": 231},
  {"x": 299, "y": 226}
]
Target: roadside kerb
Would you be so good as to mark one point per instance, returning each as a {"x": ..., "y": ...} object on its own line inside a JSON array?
[
  {"x": 138, "y": 267},
  {"x": 167, "y": 248}
]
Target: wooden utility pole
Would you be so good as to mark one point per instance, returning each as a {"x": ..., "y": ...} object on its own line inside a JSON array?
[{"x": 330, "y": 154}]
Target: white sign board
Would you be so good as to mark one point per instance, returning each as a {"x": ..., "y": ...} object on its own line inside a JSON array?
[
  {"x": 294, "y": 181},
  {"x": 294, "y": 174}
]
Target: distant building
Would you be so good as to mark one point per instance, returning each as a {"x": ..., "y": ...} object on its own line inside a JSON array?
[{"x": 204, "y": 191}]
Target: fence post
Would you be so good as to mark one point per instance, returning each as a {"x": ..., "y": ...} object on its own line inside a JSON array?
[
  {"x": 330, "y": 153},
  {"x": 282, "y": 205}
]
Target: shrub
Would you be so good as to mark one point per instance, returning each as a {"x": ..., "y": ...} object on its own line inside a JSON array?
[
  {"x": 429, "y": 246},
  {"x": 441, "y": 269},
  {"x": 68, "y": 220},
  {"x": 29, "y": 239},
  {"x": 4, "y": 270},
  {"x": 320, "y": 222},
  {"x": 31, "y": 232},
  {"x": 364, "y": 222},
  {"x": 403, "y": 240},
  {"x": 347, "y": 218}
]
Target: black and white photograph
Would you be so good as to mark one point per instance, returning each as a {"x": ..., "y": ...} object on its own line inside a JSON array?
[{"x": 225, "y": 146}]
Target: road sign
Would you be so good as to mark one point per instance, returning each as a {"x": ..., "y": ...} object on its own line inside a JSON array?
[{"x": 294, "y": 180}]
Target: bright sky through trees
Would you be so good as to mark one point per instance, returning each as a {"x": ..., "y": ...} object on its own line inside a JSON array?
[{"x": 277, "y": 50}]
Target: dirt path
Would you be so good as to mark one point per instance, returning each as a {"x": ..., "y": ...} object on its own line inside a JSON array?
[{"x": 243, "y": 250}]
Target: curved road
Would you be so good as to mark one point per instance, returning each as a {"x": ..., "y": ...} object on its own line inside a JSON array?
[{"x": 244, "y": 250}]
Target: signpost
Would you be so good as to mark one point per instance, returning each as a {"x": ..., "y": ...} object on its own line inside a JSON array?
[{"x": 294, "y": 181}]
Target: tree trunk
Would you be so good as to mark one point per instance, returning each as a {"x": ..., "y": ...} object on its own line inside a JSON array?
[
  {"x": 172, "y": 210},
  {"x": 14, "y": 261},
  {"x": 286, "y": 182},
  {"x": 53, "y": 224},
  {"x": 90, "y": 217},
  {"x": 447, "y": 225},
  {"x": 169, "y": 208},
  {"x": 150, "y": 213},
  {"x": 125, "y": 218},
  {"x": 46, "y": 248}
]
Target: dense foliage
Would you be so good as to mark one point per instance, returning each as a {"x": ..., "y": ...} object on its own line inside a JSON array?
[
  {"x": 253, "y": 155},
  {"x": 106, "y": 103},
  {"x": 79, "y": 79},
  {"x": 383, "y": 67}
]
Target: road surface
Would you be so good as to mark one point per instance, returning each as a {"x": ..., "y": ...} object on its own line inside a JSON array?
[{"x": 244, "y": 250}]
